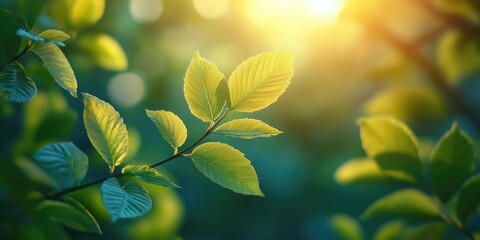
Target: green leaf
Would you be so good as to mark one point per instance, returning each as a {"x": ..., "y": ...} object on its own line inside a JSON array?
[
  {"x": 105, "y": 51},
  {"x": 469, "y": 198},
  {"x": 29, "y": 10},
  {"x": 392, "y": 230},
  {"x": 393, "y": 146},
  {"x": 259, "y": 81},
  {"x": 427, "y": 231},
  {"x": 404, "y": 203},
  {"x": 358, "y": 170},
  {"x": 71, "y": 213},
  {"x": 15, "y": 84},
  {"x": 453, "y": 157},
  {"x": 58, "y": 65},
  {"x": 106, "y": 130},
  {"x": 227, "y": 167},
  {"x": 129, "y": 201},
  {"x": 171, "y": 127},
  {"x": 346, "y": 227},
  {"x": 246, "y": 128},
  {"x": 84, "y": 13},
  {"x": 51, "y": 36},
  {"x": 9, "y": 41},
  {"x": 203, "y": 89},
  {"x": 149, "y": 175},
  {"x": 64, "y": 162}
]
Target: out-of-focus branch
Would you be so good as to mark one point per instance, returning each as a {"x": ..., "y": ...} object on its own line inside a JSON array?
[{"x": 411, "y": 51}]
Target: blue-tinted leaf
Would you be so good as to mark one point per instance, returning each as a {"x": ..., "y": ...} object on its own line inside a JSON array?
[
  {"x": 71, "y": 213},
  {"x": 15, "y": 85},
  {"x": 64, "y": 162},
  {"x": 129, "y": 201}
]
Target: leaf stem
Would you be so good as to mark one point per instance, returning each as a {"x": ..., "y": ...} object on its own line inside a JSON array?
[
  {"x": 118, "y": 175},
  {"x": 448, "y": 218}
]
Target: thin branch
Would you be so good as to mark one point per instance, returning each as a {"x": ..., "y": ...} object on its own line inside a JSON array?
[
  {"x": 447, "y": 217},
  {"x": 119, "y": 175}
]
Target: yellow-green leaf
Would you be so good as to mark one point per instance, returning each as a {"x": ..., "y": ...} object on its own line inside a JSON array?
[
  {"x": 171, "y": 127},
  {"x": 453, "y": 157},
  {"x": 358, "y": 170},
  {"x": 84, "y": 13},
  {"x": 346, "y": 227},
  {"x": 105, "y": 51},
  {"x": 106, "y": 130},
  {"x": 246, "y": 128},
  {"x": 393, "y": 146},
  {"x": 149, "y": 175},
  {"x": 53, "y": 34},
  {"x": 259, "y": 81},
  {"x": 404, "y": 203},
  {"x": 392, "y": 230},
  {"x": 202, "y": 82},
  {"x": 58, "y": 65},
  {"x": 227, "y": 167},
  {"x": 469, "y": 198}
]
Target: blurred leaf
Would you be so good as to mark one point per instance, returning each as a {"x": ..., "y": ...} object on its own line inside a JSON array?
[
  {"x": 458, "y": 56},
  {"x": 64, "y": 162},
  {"x": 201, "y": 88},
  {"x": 409, "y": 104},
  {"x": 71, "y": 213},
  {"x": 25, "y": 34},
  {"x": 104, "y": 50},
  {"x": 246, "y": 128},
  {"x": 149, "y": 175},
  {"x": 358, "y": 170},
  {"x": 469, "y": 198},
  {"x": 227, "y": 167},
  {"x": 84, "y": 13},
  {"x": 393, "y": 146},
  {"x": 9, "y": 41},
  {"x": 346, "y": 227},
  {"x": 171, "y": 127},
  {"x": 259, "y": 81},
  {"x": 106, "y": 130},
  {"x": 427, "y": 231},
  {"x": 129, "y": 201},
  {"x": 468, "y": 9},
  {"x": 42, "y": 229},
  {"x": 58, "y": 65},
  {"x": 404, "y": 203},
  {"x": 29, "y": 10},
  {"x": 453, "y": 157},
  {"x": 15, "y": 84},
  {"x": 392, "y": 230}
]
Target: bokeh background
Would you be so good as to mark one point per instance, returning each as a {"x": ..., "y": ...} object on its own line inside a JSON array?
[{"x": 352, "y": 59}]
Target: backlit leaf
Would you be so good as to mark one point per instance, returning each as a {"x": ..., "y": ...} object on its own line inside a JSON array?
[
  {"x": 469, "y": 198},
  {"x": 106, "y": 130},
  {"x": 202, "y": 81},
  {"x": 64, "y": 162},
  {"x": 15, "y": 85},
  {"x": 54, "y": 34},
  {"x": 393, "y": 146},
  {"x": 346, "y": 227},
  {"x": 358, "y": 170},
  {"x": 71, "y": 213},
  {"x": 171, "y": 127},
  {"x": 84, "y": 13},
  {"x": 129, "y": 201},
  {"x": 404, "y": 203},
  {"x": 453, "y": 157},
  {"x": 259, "y": 81},
  {"x": 246, "y": 128},
  {"x": 392, "y": 230},
  {"x": 105, "y": 51},
  {"x": 58, "y": 65},
  {"x": 227, "y": 167},
  {"x": 149, "y": 175},
  {"x": 50, "y": 36}
]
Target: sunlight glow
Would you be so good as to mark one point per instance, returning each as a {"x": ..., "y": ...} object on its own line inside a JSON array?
[
  {"x": 146, "y": 11},
  {"x": 326, "y": 9},
  {"x": 211, "y": 9},
  {"x": 126, "y": 89}
]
